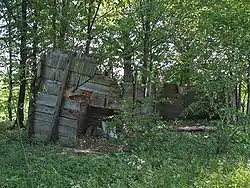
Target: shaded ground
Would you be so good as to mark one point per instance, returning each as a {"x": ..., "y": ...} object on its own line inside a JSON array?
[{"x": 97, "y": 145}]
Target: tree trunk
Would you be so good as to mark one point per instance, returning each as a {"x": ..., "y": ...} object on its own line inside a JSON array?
[
  {"x": 34, "y": 54},
  {"x": 233, "y": 102},
  {"x": 33, "y": 87},
  {"x": 149, "y": 90},
  {"x": 54, "y": 23},
  {"x": 88, "y": 41},
  {"x": 109, "y": 70},
  {"x": 239, "y": 96},
  {"x": 128, "y": 53},
  {"x": 146, "y": 43},
  {"x": 135, "y": 83},
  {"x": 244, "y": 102},
  {"x": 10, "y": 73},
  {"x": 22, "y": 70},
  {"x": 91, "y": 21},
  {"x": 145, "y": 55},
  {"x": 63, "y": 24},
  {"x": 248, "y": 89}
]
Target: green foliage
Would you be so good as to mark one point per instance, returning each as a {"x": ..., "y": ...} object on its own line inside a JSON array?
[
  {"x": 4, "y": 92},
  {"x": 5, "y": 125},
  {"x": 229, "y": 131},
  {"x": 234, "y": 174},
  {"x": 133, "y": 118},
  {"x": 202, "y": 44},
  {"x": 162, "y": 159},
  {"x": 3, "y": 102},
  {"x": 198, "y": 43}
]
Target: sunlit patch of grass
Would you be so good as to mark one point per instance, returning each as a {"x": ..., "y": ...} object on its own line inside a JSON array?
[{"x": 225, "y": 174}]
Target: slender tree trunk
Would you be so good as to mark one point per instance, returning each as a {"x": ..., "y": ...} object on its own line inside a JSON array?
[
  {"x": 239, "y": 93},
  {"x": 90, "y": 14},
  {"x": 128, "y": 72},
  {"x": 54, "y": 37},
  {"x": 22, "y": 70},
  {"x": 146, "y": 50},
  {"x": 91, "y": 20},
  {"x": 149, "y": 90},
  {"x": 128, "y": 53},
  {"x": 33, "y": 87},
  {"x": 135, "y": 83},
  {"x": 109, "y": 71},
  {"x": 63, "y": 24},
  {"x": 34, "y": 59},
  {"x": 233, "y": 102},
  {"x": 146, "y": 44},
  {"x": 10, "y": 73},
  {"x": 238, "y": 98},
  {"x": 243, "y": 105},
  {"x": 248, "y": 89}
]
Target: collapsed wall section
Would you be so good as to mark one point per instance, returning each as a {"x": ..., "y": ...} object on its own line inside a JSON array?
[{"x": 53, "y": 111}]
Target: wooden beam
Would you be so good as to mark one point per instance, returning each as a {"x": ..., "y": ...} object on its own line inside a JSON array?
[{"x": 54, "y": 123}]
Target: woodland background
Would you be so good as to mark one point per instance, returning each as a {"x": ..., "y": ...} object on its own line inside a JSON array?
[
  {"x": 199, "y": 43},
  {"x": 202, "y": 44}
]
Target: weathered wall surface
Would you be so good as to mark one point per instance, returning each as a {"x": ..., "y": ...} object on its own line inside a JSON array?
[
  {"x": 177, "y": 102},
  {"x": 65, "y": 94},
  {"x": 71, "y": 96},
  {"x": 172, "y": 104}
]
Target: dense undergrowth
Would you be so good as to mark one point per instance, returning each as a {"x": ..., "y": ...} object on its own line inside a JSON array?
[{"x": 162, "y": 159}]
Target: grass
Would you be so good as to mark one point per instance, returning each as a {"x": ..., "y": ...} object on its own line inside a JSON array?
[{"x": 162, "y": 159}]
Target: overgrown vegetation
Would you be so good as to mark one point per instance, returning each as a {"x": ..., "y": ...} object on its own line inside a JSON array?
[
  {"x": 159, "y": 157},
  {"x": 162, "y": 159},
  {"x": 201, "y": 45},
  {"x": 198, "y": 44}
]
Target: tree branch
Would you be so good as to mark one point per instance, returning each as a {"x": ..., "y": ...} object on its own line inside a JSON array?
[{"x": 94, "y": 18}]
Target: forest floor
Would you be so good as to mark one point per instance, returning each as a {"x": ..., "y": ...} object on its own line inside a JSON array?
[
  {"x": 162, "y": 159},
  {"x": 97, "y": 145}
]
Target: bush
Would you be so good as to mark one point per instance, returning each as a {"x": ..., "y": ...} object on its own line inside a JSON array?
[{"x": 133, "y": 121}]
